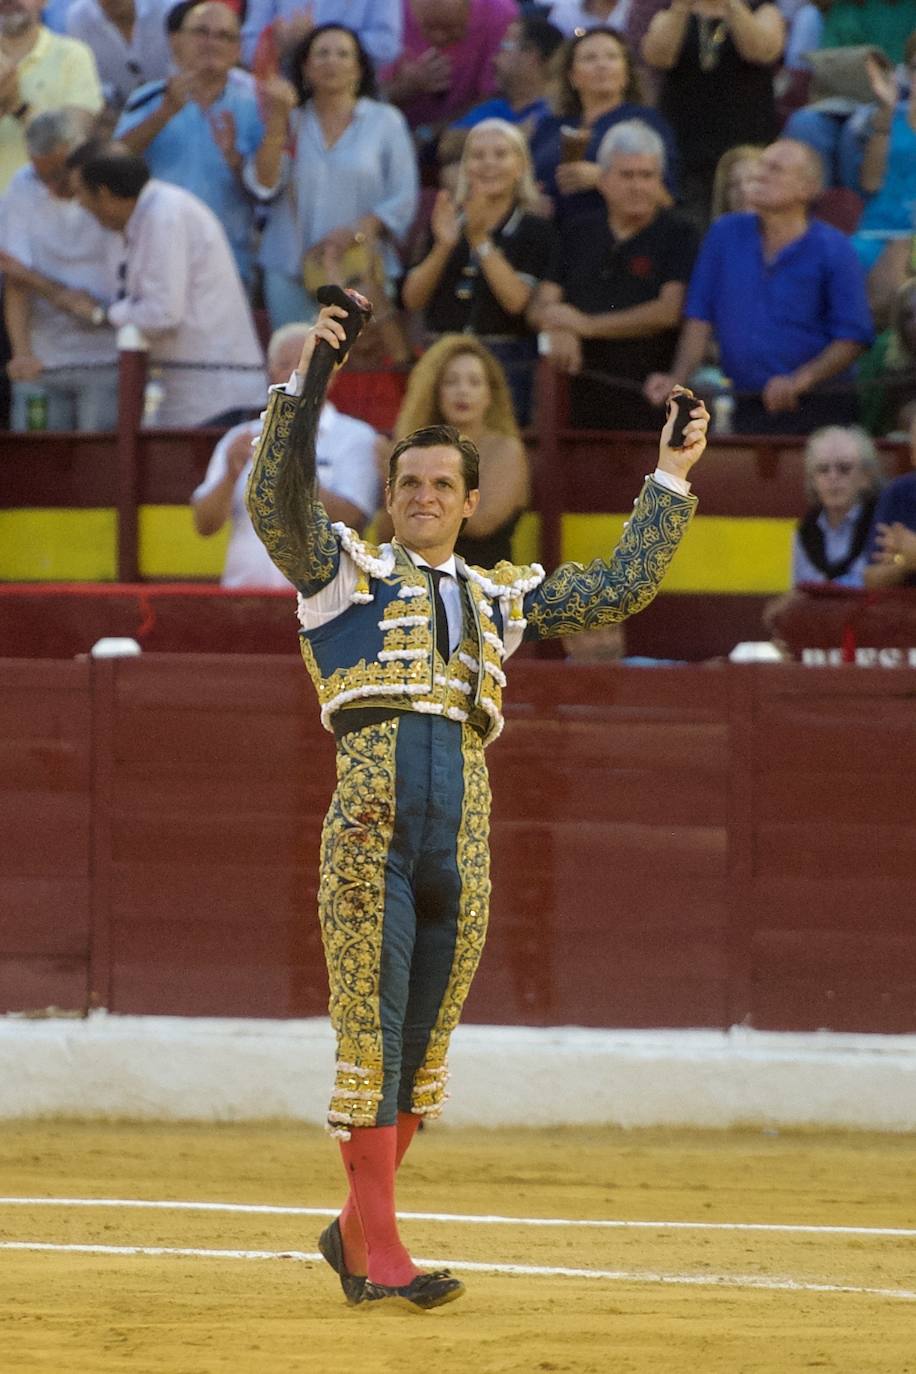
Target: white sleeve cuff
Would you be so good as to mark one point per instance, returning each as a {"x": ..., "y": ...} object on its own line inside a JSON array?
[
  {"x": 295, "y": 384},
  {"x": 668, "y": 479}
]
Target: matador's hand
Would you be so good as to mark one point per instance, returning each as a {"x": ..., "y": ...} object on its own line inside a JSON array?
[
  {"x": 327, "y": 327},
  {"x": 679, "y": 461}
]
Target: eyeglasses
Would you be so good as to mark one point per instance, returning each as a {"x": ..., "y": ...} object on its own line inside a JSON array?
[
  {"x": 839, "y": 465},
  {"x": 218, "y": 35}
]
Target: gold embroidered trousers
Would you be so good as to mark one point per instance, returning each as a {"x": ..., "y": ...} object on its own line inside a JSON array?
[{"x": 403, "y": 903}]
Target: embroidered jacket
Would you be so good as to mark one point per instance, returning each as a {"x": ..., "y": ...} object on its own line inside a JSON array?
[{"x": 382, "y": 649}]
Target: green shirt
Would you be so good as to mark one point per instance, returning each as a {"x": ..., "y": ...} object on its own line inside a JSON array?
[{"x": 879, "y": 23}]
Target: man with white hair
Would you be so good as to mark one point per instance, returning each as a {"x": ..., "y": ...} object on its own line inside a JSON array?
[
  {"x": 784, "y": 295},
  {"x": 613, "y": 304},
  {"x": 349, "y": 455},
  {"x": 62, "y": 265}
]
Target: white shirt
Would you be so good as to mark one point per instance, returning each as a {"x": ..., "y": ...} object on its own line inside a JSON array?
[
  {"x": 185, "y": 295},
  {"x": 450, "y": 593},
  {"x": 345, "y": 463},
  {"x": 61, "y": 240}
]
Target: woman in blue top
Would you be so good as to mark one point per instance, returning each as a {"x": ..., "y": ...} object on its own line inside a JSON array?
[
  {"x": 598, "y": 87},
  {"x": 340, "y": 177},
  {"x": 889, "y": 164}
]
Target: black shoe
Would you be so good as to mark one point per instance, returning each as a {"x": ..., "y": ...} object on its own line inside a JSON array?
[
  {"x": 330, "y": 1243},
  {"x": 422, "y": 1293}
]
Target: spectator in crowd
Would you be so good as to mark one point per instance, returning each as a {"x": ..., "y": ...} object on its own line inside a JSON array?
[
  {"x": 66, "y": 359},
  {"x": 273, "y": 28},
  {"x": 522, "y": 68},
  {"x": 733, "y": 178},
  {"x": 459, "y": 382},
  {"x": 488, "y": 252},
  {"x": 837, "y": 121},
  {"x": 447, "y": 63},
  {"x": 718, "y": 58},
  {"x": 576, "y": 16},
  {"x": 181, "y": 288},
  {"x": 888, "y": 173},
  {"x": 842, "y": 481},
  {"x": 347, "y": 192},
  {"x": 199, "y": 128},
  {"x": 597, "y": 87},
  {"x": 805, "y": 31},
  {"x": 895, "y": 265},
  {"x": 128, "y": 40},
  {"x": 892, "y": 541},
  {"x": 349, "y": 457},
  {"x": 39, "y": 70},
  {"x": 615, "y": 302},
  {"x": 887, "y": 375},
  {"x": 785, "y": 298}
]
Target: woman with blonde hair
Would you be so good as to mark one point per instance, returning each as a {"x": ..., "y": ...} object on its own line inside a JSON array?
[
  {"x": 459, "y": 382},
  {"x": 488, "y": 251}
]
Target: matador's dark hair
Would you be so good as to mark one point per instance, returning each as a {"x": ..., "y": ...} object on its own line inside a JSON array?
[
  {"x": 297, "y": 485},
  {"x": 440, "y": 436}
]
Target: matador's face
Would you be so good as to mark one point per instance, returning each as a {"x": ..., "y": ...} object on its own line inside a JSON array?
[{"x": 428, "y": 501}]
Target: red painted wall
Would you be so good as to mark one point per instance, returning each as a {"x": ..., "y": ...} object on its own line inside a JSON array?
[{"x": 672, "y": 847}]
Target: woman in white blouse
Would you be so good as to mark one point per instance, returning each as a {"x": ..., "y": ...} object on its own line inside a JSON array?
[{"x": 338, "y": 169}]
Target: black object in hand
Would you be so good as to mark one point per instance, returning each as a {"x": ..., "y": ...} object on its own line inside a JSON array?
[
  {"x": 359, "y": 313},
  {"x": 684, "y": 402}
]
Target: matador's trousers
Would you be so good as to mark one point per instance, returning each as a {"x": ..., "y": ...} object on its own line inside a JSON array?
[{"x": 403, "y": 902}]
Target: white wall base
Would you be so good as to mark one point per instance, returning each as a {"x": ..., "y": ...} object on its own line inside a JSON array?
[{"x": 182, "y": 1069}]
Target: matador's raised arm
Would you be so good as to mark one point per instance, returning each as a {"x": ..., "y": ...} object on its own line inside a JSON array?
[
  {"x": 608, "y": 590},
  {"x": 282, "y": 493}
]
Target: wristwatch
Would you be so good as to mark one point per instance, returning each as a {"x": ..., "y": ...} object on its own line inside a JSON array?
[
  {"x": 98, "y": 316},
  {"x": 484, "y": 249}
]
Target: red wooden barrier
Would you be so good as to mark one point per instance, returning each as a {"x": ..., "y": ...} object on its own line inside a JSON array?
[{"x": 700, "y": 846}]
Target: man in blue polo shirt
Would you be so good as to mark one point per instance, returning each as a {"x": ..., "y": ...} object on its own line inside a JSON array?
[
  {"x": 199, "y": 129},
  {"x": 784, "y": 296}
]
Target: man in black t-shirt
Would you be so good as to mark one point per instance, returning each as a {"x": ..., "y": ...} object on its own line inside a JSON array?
[{"x": 611, "y": 303}]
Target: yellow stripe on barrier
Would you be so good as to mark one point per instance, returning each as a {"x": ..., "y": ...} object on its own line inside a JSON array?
[
  {"x": 58, "y": 545},
  {"x": 171, "y": 547},
  {"x": 720, "y": 553}
]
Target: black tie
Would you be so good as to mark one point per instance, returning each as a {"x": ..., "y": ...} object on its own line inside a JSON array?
[{"x": 442, "y": 634}]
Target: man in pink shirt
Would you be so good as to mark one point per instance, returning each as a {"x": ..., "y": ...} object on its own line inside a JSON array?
[{"x": 446, "y": 65}]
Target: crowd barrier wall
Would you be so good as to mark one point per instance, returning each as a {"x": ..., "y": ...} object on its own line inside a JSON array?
[
  {"x": 107, "y": 508},
  {"x": 707, "y": 846}
]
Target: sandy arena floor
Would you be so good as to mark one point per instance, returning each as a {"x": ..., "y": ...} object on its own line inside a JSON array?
[{"x": 718, "y": 1297}]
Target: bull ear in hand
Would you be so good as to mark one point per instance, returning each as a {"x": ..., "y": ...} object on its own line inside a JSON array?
[
  {"x": 359, "y": 313},
  {"x": 296, "y": 481}
]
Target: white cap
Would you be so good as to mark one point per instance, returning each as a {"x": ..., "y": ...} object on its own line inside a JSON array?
[
  {"x": 130, "y": 340},
  {"x": 115, "y": 648},
  {"x": 756, "y": 651}
]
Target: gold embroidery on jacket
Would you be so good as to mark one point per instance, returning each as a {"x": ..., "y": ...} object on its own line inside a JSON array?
[
  {"x": 576, "y": 597},
  {"x": 314, "y": 569}
]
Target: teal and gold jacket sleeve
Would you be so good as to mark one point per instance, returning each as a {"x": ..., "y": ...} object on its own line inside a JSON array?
[
  {"x": 310, "y": 568},
  {"x": 576, "y": 597}
]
